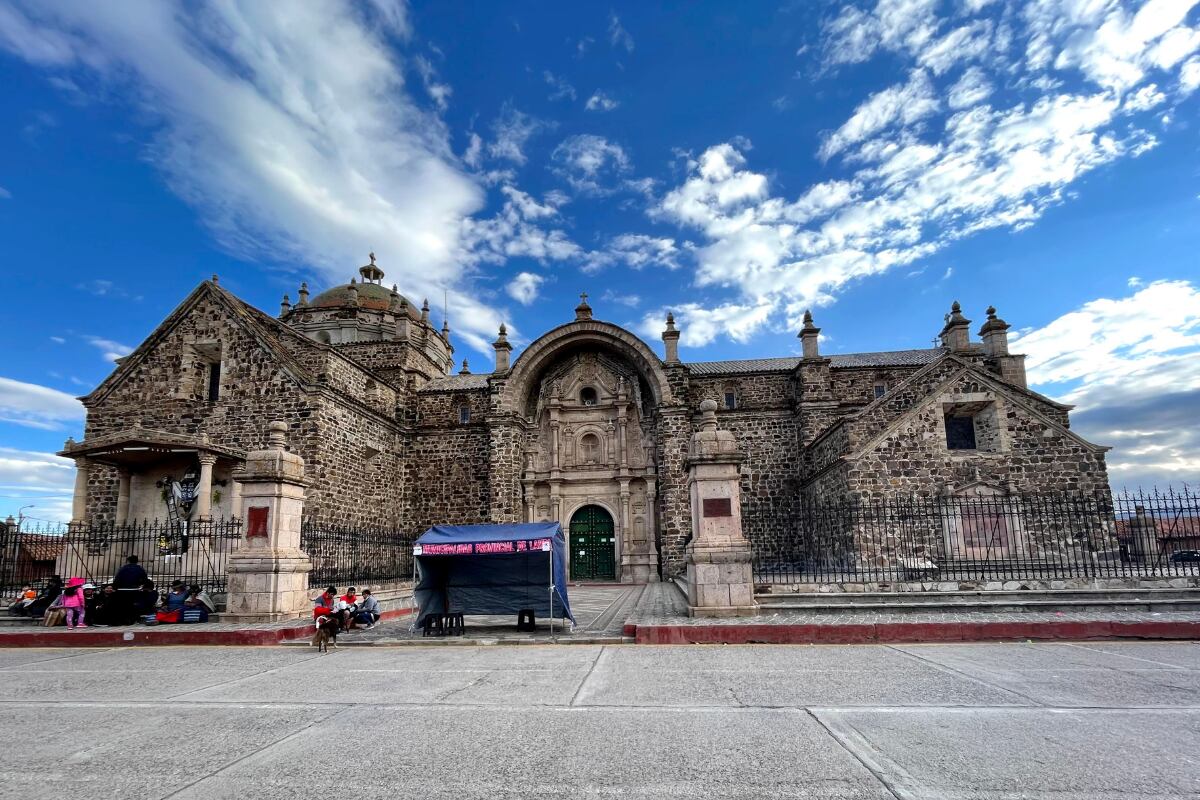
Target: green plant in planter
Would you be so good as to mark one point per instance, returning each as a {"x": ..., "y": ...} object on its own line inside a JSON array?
[{"x": 216, "y": 497}]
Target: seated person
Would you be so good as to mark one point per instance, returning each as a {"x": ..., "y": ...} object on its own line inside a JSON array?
[
  {"x": 176, "y": 597},
  {"x": 346, "y": 609},
  {"x": 45, "y": 598},
  {"x": 26, "y": 596},
  {"x": 101, "y": 605},
  {"x": 323, "y": 604},
  {"x": 198, "y": 599},
  {"x": 368, "y": 610},
  {"x": 146, "y": 601}
]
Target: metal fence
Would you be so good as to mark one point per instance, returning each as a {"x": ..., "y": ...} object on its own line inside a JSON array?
[
  {"x": 193, "y": 553},
  {"x": 988, "y": 538},
  {"x": 343, "y": 555}
]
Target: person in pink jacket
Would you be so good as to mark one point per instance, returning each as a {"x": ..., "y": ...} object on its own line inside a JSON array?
[{"x": 74, "y": 603}]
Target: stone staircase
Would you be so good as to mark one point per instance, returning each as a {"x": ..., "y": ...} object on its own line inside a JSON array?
[{"x": 1146, "y": 600}]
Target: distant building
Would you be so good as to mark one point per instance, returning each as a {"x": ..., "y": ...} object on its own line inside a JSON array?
[{"x": 589, "y": 426}]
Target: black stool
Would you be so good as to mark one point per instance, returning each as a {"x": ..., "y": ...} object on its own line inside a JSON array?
[
  {"x": 454, "y": 625},
  {"x": 434, "y": 625},
  {"x": 525, "y": 620}
]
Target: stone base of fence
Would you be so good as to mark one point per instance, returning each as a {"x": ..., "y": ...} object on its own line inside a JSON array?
[{"x": 1065, "y": 584}]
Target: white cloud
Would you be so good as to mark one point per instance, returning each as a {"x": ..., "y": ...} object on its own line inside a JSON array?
[
  {"x": 43, "y": 480},
  {"x": 291, "y": 129},
  {"x": 512, "y": 130},
  {"x": 1144, "y": 98},
  {"x": 35, "y": 406},
  {"x": 902, "y": 104},
  {"x": 629, "y": 300},
  {"x": 473, "y": 155},
  {"x": 1189, "y": 76},
  {"x": 600, "y": 102},
  {"x": 111, "y": 350},
  {"x": 1132, "y": 367},
  {"x": 699, "y": 326},
  {"x": 517, "y": 231},
  {"x": 617, "y": 35},
  {"x": 972, "y": 88},
  {"x": 560, "y": 89},
  {"x": 635, "y": 250},
  {"x": 591, "y": 164},
  {"x": 524, "y": 287},
  {"x": 5, "y": 194},
  {"x": 438, "y": 92}
]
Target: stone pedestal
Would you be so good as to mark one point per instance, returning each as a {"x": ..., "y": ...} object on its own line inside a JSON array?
[
  {"x": 720, "y": 576},
  {"x": 268, "y": 574}
]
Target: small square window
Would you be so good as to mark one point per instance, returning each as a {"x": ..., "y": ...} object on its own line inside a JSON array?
[
  {"x": 880, "y": 390},
  {"x": 464, "y": 414},
  {"x": 730, "y": 400},
  {"x": 960, "y": 432}
]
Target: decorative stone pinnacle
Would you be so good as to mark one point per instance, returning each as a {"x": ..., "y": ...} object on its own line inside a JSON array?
[
  {"x": 215, "y": 278},
  {"x": 670, "y": 321},
  {"x": 371, "y": 255},
  {"x": 503, "y": 330},
  {"x": 991, "y": 312},
  {"x": 955, "y": 307},
  {"x": 708, "y": 408},
  {"x": 583, "y": 310},
  {"x": 277, "y": 435},
  {"x": 466, "y": 368},
  {"x": 303, "y": 293}
]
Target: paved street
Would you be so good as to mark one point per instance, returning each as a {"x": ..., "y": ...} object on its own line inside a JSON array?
[{"x": 1093, "y": 720}]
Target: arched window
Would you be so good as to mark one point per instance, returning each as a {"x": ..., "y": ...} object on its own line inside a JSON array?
[
  {"x": 730, "y": 398},
  {"x": 464, "y": 414},
  {"x": 587, "y": 396},
  {"x": 589, "y": 448}
]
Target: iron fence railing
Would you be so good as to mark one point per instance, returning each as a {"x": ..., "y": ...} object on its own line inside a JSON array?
[
  {"x": 343, "y": 555},
  {"x": 195, "y": 553},
  {"x": 989, "y": 537}
]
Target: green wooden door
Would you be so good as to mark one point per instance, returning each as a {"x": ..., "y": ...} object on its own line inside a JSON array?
[{"x": 593, "y": 545}]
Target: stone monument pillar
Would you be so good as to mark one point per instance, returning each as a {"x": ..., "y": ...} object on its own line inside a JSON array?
[
  {"x": 720, "y": 577},
  {"x": 268, "y": 574}
]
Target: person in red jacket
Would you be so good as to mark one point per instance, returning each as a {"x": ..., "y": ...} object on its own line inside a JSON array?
[{"x": 324, "y": 603}]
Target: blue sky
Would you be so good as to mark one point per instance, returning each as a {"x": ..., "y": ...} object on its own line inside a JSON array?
[{"x": 734, "y": 164}]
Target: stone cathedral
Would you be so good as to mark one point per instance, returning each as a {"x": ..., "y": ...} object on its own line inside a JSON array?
[{"x": 589, "y": 426}]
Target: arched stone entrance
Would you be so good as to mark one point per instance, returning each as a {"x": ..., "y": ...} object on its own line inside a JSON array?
[{"x": 593, "y": 545}]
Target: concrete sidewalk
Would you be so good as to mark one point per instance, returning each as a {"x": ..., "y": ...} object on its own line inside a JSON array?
[{"x": 989, "y": 721}]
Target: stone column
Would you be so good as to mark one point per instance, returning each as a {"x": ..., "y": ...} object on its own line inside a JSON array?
[
  {"x": 203, "y": 511},
  {"x": 720, "y": 576},
  {"x": 122, "y": 496},
  {"x": 235, "y": 498},
  {"x": 79, "y": 500},
  {"x": 268, "y": 574}
]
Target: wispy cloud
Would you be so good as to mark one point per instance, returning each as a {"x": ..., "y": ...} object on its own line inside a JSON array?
[
  {"x": 600, "y": 101},
  {"x": 1131, "y": 365},
  {"x": 560, "y": 88},
  {"x": 35, "y": 406},
  {"x": 111, "y": 350},
  {"x": 618, "y": 36},
  {"x": 524, "y": 287}
]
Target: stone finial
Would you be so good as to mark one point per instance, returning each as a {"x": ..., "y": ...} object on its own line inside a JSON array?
[
  {"x": 503, "y": 349},
  {"x": 277, "y": 435},
  {"x": 956, "y": 334},
  {"x": 583, "y": 310},
  {"x": 708, "y": 412},
  {"x": 285, "y": 306},
  {"x": 810, "y": 337},
  {"x": 67, "y": 445},
  {"x": 994, "y": 334},
  {"x": 303, "y": 294},
  {"x": 445, "y": 329},
  {"x": 394, "y": 301},
  {"x": 353, "y": 290},
  {"x": 425, "y": 311},
  {"x": 215, "y": 278},
  {"x": 709, "y": 442},
  {"x": 670, "y": 339},
  {"x": 466, "y": 368}
]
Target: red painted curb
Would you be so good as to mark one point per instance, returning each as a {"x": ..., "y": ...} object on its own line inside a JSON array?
[
  {"x": 910, "y": 632},
  {"x": 162, "y": 636}
]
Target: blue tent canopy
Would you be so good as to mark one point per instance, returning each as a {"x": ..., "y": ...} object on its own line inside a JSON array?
[{"x": 492, "y": 569}]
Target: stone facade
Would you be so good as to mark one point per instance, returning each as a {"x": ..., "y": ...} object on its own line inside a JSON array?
[{"x": 587, "y": 417}]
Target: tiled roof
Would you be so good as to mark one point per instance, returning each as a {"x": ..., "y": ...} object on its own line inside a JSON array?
[
  {"x": 455, "y": 383},
  {"x": 887, "y": 358},
  {"x": 40, "y": 547}
]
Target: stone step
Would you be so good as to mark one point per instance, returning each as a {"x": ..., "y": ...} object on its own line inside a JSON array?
[{"x": 1154, "y": 600}]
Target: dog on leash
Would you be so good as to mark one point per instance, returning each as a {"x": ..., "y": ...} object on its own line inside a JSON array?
[{"x": 327, "y": 631}]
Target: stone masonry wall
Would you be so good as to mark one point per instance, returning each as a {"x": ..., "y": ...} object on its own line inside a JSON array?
[{"x": 447, "y": 467}]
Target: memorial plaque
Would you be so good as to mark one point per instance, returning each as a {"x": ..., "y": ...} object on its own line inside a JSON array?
[
  {"x": 256, "y": 521},
  {"x": 717, "y": 507}
]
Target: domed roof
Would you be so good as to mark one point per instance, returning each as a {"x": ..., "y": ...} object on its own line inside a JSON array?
[{"x": 370, "y": 295}]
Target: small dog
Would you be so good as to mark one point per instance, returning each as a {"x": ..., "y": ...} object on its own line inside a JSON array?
[{"x": 327, "y": 631}]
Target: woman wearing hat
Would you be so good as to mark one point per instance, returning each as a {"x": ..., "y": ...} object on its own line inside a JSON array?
[{"x": 74, "y": 603}]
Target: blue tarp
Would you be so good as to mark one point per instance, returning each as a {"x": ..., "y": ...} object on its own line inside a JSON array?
[{"x": 492, "y": 569}]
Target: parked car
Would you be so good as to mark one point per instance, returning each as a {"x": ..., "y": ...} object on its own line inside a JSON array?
[{"x": 1186, "y": 557}]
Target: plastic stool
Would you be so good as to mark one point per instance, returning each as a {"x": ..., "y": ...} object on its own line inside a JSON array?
[
  {"x": 434, "y": 625},
  {"x": 454, "y": 625}
]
